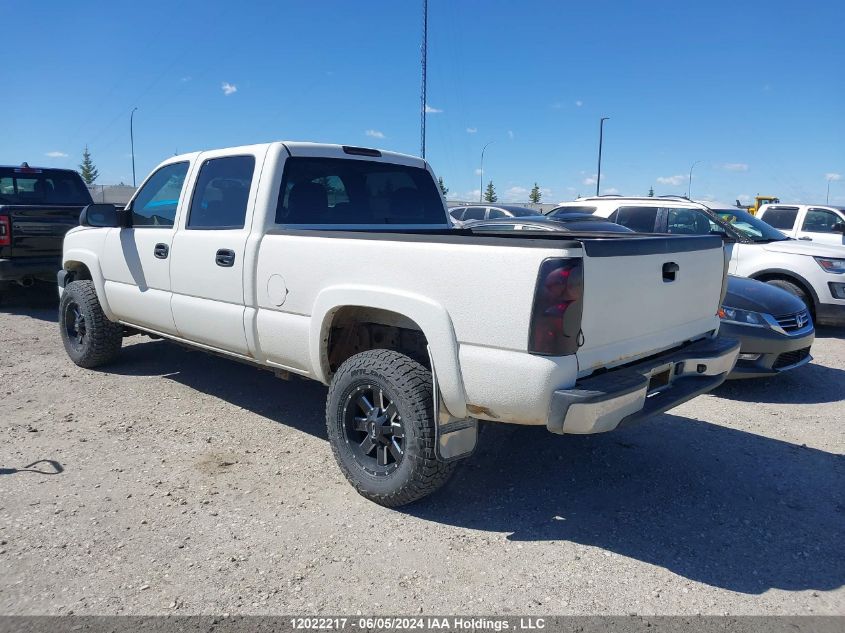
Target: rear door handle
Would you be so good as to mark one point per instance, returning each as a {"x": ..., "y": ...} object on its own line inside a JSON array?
[
  {"x": 808, "y": 239},
  {"x": 161, "y": 251},
  {"x": 225, "y": 258}
]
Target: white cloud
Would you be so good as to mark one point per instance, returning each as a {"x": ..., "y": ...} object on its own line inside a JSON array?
[
  {"x": 466, "y": 196},
  {"x": 611, "y": 191},
  {"x": 477, "y": 172},
  {"x": 56, "y": 154},
  {"x": 579, "y": 103},
  {"x": 516, "y": 194},
  {"x": 744, "y": 198},
  {"x": 431, "y": 110},
  {"x": 672, "y": 180},
  {"x": 472, "y": 130},
  {"x": 833, "y": 177},
  {"x": 510, "y": 134},
  {"x": 228, "y": 89},
  {"x": 735, "y": 166},
  {"x": 590, "y": 180},
  {"x": 374, "y": 133}
]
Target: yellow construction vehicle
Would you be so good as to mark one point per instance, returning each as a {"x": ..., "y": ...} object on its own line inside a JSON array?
[{"x": 759, "y": 201}]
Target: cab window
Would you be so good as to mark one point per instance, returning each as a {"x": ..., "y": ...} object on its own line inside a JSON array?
[
  {"x": 155, "y": 203},
  {"x": 819, "y": 221},
  {"x": 781, "y": 217},
  {"x": 221, "y": 193},
  {"x": 690, "y": 222}
]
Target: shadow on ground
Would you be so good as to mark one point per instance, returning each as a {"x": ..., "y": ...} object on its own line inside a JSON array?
[
  {"x": 708, "y": 502},
  {"x": 810, "y": 384},
  {"x": 40, "y": 301},
  {"x": 41, "y": 467},
  {"x": 713, "y": 504},
  {"x": 297, "y": 402}
]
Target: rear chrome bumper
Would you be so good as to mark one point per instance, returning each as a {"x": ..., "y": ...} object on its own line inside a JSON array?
[{"x": 635, "y": 392}]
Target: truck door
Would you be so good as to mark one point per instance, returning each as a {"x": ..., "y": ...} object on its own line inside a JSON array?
[
  {"x": 821, "y": 225},
  {"x": 207, "y": 263},
  {"x": 136, "y": 260}
]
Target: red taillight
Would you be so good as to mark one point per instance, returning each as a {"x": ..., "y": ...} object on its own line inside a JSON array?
[
  {"x": 556, "y": 316},
  {"x": 5, "y": 231}
]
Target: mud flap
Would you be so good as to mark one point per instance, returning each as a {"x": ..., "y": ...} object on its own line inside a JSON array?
[{"x": 455, "y": 438}]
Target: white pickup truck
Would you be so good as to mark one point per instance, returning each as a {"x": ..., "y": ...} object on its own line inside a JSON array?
[{"x": 339, "y": 264}]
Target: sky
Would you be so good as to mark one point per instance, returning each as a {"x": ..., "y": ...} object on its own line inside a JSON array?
[{"x": 751, "y": 93}]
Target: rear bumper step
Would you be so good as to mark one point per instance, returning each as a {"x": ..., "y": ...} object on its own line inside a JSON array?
[
  {"x": 633, "y": 393},
  {"x": 43, "y": 268}
]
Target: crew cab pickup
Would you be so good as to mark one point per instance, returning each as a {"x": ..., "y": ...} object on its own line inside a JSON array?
[
  {"x": 820, "y": 223},
  {"x": 37, "y": 207},
  {"x": 339, "y": 264}
]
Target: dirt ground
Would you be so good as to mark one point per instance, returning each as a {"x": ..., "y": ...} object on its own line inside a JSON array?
[{"x": 177, "y": 482}]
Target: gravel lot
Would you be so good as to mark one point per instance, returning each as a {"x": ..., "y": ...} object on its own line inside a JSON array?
[{"x": 177, "y": 482}]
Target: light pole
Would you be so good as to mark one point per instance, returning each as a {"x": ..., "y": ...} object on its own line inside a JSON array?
[
  {"x": 481, "y": 174},
  {"x": 132, "y": 141},
  {"x": 423, "y": 98},
  {"x": 601, "y": 140},
  {"x": 689, "y": 186}
]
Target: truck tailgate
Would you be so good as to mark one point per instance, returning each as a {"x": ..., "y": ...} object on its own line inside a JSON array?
[
  {"x": 645, "y": 295},
  {"x": 38, "y": 231}
]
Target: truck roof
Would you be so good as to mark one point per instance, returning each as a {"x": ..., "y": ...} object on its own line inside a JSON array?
[{"x": 329, "y": 150}]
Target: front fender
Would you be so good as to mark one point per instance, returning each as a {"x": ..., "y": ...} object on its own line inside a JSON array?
[
  {"x": 92, "y": 262},
  {"x": 431, "y": 317}
]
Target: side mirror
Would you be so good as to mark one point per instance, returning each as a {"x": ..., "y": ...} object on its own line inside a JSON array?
[
  {"x": 839, "y": 227},
  {"x": 102, "y": 216}
]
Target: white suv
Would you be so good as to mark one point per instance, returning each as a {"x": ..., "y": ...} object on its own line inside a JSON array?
[
  {"x": 809, "y": 222},
  {"x": 812, "y": 271}
]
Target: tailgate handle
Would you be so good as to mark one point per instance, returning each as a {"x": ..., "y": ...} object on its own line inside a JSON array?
[
  {"x": 161, "y": 251},
  {"x": 225, "y": 258},
  {"x": 669, "y": 271}
]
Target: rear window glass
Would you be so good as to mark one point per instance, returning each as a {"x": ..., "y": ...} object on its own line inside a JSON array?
[
  {"x": 221, "y": 193},
  {"x": 344, "y": 191},
  {"x": 639, "y": 219},
  {"x": 780, "y": 218},
  {"x": 42, "y": 186}
]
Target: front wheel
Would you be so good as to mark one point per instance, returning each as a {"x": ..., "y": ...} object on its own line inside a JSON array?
[
  {"x": 381, "y": 427},
  {"x": 90, "y": 339}
]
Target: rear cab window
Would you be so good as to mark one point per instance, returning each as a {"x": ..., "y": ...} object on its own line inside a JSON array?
[
  {"x": 819, "y": 221},
  {"x": 780, "y": 217},
  {"x": 221, "y": 193},
  {"x": 31, "y": 186},
  {"x": 333, "y": 191}
]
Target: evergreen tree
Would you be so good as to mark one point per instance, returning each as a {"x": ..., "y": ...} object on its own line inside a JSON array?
[
  {"x": 443, "y": 188},
  {"x": 535, "y": 194},
  {"x": 490, "y": 193},
  {"x": 651, "y": 192},
  {"x": 87, "y": 169}
]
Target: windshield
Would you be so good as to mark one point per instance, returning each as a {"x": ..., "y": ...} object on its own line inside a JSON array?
[
  {"x": 751, "y": 227},
  {"x": 23, "y": 185}
]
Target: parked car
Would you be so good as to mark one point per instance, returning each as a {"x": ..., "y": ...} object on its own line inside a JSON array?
[
  {"x": 362, "y": 285},
  {"x": 575, "y": 222},
  {"x": 813, "y": 272},
  {"x": 38, "y": 205},
  {"x": 773, "y": 326},
  {"x": 489, "y": 212},
  {"x": 810, "y": 222}
]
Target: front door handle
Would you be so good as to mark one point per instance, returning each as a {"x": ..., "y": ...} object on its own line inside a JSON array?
[
  {"x": 808, "y": 239},
  {"x": 225, "y": 258},
  {"x": 161, "y": 251}
]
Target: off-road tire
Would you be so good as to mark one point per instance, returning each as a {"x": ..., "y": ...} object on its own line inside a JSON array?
[
  {"x": 409, "y": 386},
  {"x": 796, "y": 290},
  {"x": 101, "y": 340}
]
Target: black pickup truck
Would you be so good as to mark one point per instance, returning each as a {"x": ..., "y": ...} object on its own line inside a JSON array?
[{"x": 38, "y": 205}]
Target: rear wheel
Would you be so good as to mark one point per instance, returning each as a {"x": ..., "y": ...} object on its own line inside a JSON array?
[
  {"x": 90, "y": 339},
  {"x": 381, "y": 427},
  {"x": 796, "y": 290}
]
